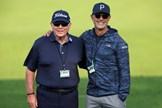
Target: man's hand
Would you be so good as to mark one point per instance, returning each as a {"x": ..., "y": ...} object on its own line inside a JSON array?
[
  {"x": 32, "y": 101},
  {"x": 48, "y": 33}
]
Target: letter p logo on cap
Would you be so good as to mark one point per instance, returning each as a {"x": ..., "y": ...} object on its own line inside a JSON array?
[{"x": 102, "y": 6}]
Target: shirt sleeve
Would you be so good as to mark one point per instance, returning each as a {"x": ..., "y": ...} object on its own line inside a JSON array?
[
  {"x": 31, "y": 61},
  {"x": 124, "y": 70}
]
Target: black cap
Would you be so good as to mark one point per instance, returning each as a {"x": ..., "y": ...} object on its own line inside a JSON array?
[
  {"x": 60, "y": 15},
  {"x": 101, "y": 8}
]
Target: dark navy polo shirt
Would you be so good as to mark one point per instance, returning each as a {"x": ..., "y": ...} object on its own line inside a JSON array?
[{"x": 47, "y": 57}]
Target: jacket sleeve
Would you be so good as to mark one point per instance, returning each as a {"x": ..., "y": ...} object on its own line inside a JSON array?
[
  {"x": 124, "y": 70},
  {"x": 82, "y": 64}
]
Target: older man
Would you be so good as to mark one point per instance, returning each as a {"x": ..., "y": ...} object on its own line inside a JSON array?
[{"x": 55, "y": 59}]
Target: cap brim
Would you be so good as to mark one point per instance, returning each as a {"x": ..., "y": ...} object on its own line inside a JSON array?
[
  {"x": 61, "y": 19},
  {"x": 100, "y": 12}
]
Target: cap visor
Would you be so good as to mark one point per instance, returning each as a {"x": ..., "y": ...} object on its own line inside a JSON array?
[{"x": 61, "y": 19}]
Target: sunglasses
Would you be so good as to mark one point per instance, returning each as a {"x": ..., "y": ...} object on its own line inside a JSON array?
[
  {"x": 104, "y": 16},
  {"x": 62, "y": 23}
]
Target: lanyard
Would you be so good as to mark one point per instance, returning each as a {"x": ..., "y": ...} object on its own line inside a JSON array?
[
  {"x": 63, "y": 60},
  {"x": 97, "y": 46}
]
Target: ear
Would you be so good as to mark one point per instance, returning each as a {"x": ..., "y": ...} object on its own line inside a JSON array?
[
  {"x": 92, "y": 17},
  {"x": 69, "y": 24},
  {"x": 51, "y": 24},
  {"x": 109, "y": 17}
]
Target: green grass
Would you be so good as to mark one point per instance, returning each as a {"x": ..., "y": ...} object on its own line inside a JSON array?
[
  {"x": 138, "y": 22},
  {"x": 145, "y": 93}
]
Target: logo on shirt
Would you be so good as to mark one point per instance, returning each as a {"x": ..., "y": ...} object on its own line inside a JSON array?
[
  {"x": 70, "y": 39},
  {"x": 108, "y": 45},
  {"x": 123, "y": 47}
]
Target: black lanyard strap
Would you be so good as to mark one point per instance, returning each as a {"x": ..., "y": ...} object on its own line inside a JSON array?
[
  {"x": 97, "y": 46},
  {"x": 63, "y": 60}
]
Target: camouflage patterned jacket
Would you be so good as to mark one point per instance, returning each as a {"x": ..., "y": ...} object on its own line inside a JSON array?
[{"x": 109, "y": 54}]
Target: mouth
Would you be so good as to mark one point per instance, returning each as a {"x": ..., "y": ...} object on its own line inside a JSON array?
[
  {"x": 60, "y": 30},
  {"x": 101, "y": 22}
]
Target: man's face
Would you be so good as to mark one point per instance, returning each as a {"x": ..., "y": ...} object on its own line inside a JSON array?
[
  {"x": 100, "y": 20},
  {"x": 60, "y": 28}
]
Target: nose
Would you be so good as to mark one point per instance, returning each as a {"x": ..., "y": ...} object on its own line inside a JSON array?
[
  {"x": 60, "y": 26},
  {"x": 101, "y": 17}
]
